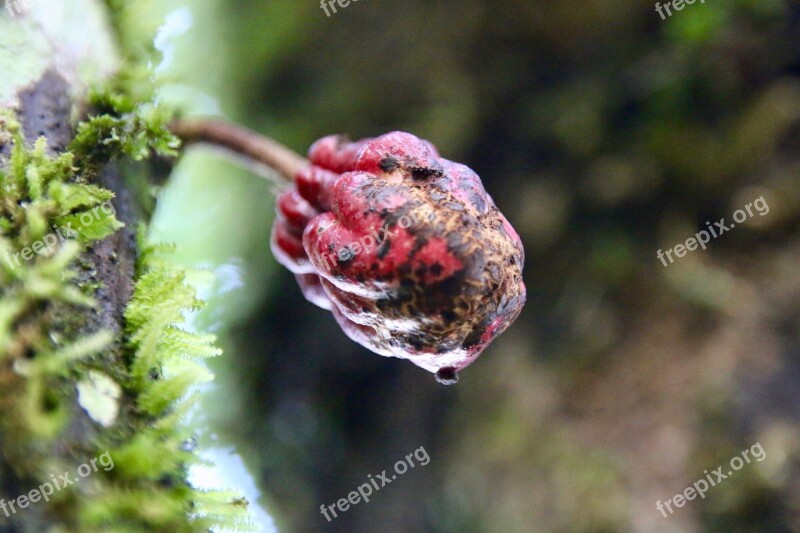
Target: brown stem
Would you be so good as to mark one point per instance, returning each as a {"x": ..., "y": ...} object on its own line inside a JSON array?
[{"x": 255, "y": 149}]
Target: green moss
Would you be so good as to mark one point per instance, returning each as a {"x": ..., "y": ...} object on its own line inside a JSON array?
[
  {"x": 163, "y": 366},
  {"x": 129, "y": 124},
  {"x": 134, "y": 391},
  {"x": 38, "y": 295}
]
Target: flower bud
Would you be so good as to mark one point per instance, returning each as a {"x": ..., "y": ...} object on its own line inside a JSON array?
[{"x": 405, "y": 248}]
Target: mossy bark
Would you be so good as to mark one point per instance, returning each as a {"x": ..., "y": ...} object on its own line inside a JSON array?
[
  {"x": 92, "y": 356},
  {"x": 106, "y": 269}
]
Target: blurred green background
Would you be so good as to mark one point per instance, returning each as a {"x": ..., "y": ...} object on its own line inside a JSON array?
[{"x": 604, "y": 134}]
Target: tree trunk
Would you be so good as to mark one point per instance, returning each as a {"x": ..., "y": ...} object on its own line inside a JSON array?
[{"x": 93, "y": 363}]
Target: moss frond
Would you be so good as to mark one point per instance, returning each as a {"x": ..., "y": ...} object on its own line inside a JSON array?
[{"x": 85, "y": 391}]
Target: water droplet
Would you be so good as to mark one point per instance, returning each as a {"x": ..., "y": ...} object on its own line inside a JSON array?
[{"x": 447, "y": 376}]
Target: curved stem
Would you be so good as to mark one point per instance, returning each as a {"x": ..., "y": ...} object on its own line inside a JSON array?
[{"x": 256, "y": 150}]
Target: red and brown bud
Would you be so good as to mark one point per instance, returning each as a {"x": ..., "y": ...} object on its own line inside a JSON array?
[{"x": 405, "y": 248}]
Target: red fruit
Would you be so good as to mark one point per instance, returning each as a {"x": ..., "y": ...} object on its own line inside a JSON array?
[{"x": 405, "y": 248}]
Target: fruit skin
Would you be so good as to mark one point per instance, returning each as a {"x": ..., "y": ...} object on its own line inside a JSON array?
[{"x": 405, "y": 248}]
